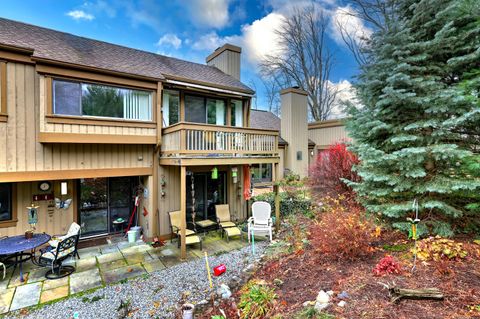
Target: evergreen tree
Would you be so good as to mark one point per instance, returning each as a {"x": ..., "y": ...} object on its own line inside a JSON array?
[
  {"x": 102, "y": 101},
  {"x": 419, "y": 122}
]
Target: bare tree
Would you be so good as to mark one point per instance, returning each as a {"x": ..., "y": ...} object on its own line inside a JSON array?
[
  {"x": 272, "y": 94},
  {"x": 253, "y": 86},
  {"x": 377, "y": 14},
  {"x": 304, "y": 59}
]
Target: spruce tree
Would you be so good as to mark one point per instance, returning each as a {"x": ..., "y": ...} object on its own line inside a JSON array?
[{"x": 418, "y": 125}]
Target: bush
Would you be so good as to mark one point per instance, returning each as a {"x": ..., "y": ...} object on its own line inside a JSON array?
[
  {"x": 331, "y": 167},
  {"x": 288, "y": 205},
  {"x": 344, "y": 231},
  {"x": 438, "y": 248},
  {"x": 256, "y": 301},
  {"x": 387, "y": 265}
]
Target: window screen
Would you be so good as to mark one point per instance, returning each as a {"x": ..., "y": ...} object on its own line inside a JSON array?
[{"x": 195, "y": 109}]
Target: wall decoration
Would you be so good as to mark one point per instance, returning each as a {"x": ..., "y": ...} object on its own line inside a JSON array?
[
  {"x": 44, "y": 186},
  {"x": 63, "y": 204},
  {"x": 32, "y": 211}
]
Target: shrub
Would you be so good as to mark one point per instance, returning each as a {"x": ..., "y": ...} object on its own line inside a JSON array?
[
  {"x": 331, "y": 167},
  {"x": 387, "y": 265},
  {"x": 288, "y": 205},
  {"x": 256, "y": 301},
  {"x": 344, "y": 230},
  {"x": 437, "y": 248}
]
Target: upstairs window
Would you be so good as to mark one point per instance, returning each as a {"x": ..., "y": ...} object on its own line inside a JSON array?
[
  {"x": 6, "y": 211},
  {"x": 98, "y": 100},
  {"x": 171, "y": 107},
  {"x": 200, "y": 109},
  {"x": 236, "y": 109},
  {"x": 261, "y": 173}
]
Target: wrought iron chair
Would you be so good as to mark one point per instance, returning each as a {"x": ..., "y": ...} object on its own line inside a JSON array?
[{"x": 54, "y": 258}]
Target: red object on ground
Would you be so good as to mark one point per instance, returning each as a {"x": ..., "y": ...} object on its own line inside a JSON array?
[{"x": 220, "y": 269}]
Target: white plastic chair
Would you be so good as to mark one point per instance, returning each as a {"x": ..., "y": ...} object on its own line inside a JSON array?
[{"x": 261, "y": 220}]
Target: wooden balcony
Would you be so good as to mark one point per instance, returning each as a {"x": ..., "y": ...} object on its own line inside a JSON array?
[{"x": 191, "y": 140}]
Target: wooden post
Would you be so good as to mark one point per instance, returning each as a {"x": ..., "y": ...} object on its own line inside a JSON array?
[
  {"x": 277, "y": 206},
  {"x": 183, "y": 209},
  {"x": 154, "y": 194}
]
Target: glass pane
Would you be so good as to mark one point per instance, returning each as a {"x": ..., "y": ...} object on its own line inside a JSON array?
[
  {"x": 101, "y": 101},
  {"x": 66, "y": 98},
  {"x": 198, "y": 181},
  {"x": 215, "y": 193},
  {"x": 236, "y": 113},
  {"x": 171, "y": 108},
  {"x": 121, "y": 200},
  {"x": 267, "y": 172},
  {"x": 93, "y": 206},
  {"x": 195, "y": 109},
  {"x": 216, "y": 111},
  {"x": 5, "y": 201}
]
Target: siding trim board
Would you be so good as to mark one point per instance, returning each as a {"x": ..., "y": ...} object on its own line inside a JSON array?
[
  {"x": 87, "y": 138},
  {"x": 73, "y": 174},
  {"x": 3, "y": 92}
]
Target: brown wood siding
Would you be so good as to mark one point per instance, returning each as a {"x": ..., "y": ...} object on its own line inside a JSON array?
[{"x": 325, "y": 136}]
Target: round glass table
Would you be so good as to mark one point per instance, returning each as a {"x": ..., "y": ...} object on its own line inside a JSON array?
[{"x": 19, "y": 249}]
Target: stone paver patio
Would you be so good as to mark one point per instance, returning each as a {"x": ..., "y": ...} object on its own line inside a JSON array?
[{"x": 99, "y": 266}]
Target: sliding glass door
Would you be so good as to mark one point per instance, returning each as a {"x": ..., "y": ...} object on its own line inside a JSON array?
[
  {"x": 208, "y": 192},
  {"x": 103, "y": 200}
]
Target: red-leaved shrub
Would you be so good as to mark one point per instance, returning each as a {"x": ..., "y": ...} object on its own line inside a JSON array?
[
  {"x": 387, "y": 265},
  {"x": 330, "y": 167},
  {"x": 344, "y": 230}
]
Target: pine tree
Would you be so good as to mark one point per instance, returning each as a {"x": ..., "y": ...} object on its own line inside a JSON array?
[{"x": 420, "y": 115}]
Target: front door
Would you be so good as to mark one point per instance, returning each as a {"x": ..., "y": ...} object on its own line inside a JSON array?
[
  {"x": 207, "y": 193},
  {"x": 102, "y": 201}
]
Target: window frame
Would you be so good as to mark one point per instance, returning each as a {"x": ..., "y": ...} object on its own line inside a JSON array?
[
  {"x": 59, "y": 118},
  {"x": 3, "y": 91},
  {"x": 13, "y": 197}
]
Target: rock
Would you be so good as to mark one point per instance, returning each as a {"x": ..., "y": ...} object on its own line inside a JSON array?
[
  {"x": 224, "y": 291},
  {"x": 322, "y": 301},
  {"x": 342, "y": 303},
  {"x": 201, "y": 306},
  {"x": 309, "y": 303},
  {"x": 277, "y": 282},
  {"x": 343, "y": 295},
  {"x": 235, "y": 282}
]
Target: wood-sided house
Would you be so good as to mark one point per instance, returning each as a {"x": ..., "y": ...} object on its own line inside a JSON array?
[{"x": 93, "y": 124}]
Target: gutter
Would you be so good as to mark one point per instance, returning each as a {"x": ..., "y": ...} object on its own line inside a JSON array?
[{"x": 198, "y": 86}]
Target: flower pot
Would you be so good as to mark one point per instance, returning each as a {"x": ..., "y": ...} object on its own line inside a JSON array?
[
  {"x": 28, "y": 234},
  {"x": 187, "y": 311}
]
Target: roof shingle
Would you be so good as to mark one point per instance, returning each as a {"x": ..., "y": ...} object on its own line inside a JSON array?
[{"x": 68, "y": 48}]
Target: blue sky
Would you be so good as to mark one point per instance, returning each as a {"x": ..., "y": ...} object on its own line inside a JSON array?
[{"x": 188, "y": 29}]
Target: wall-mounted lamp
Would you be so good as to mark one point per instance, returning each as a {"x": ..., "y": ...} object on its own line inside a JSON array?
[{"x": 64, "y": 188}]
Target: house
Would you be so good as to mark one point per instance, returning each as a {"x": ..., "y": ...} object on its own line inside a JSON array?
[{"x": 86, "y": 127}]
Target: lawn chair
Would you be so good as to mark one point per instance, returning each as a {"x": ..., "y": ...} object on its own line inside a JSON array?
[
  {"x": 54, "y": 258},
  {"x": 225, "y": 223},
  {"x": 73, "y": 230},
  {"x": 261, "y": 220},
  {"x": 191, "y": 236}
]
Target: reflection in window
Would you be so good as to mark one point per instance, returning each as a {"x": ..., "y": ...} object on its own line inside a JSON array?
[
  {"x": 171, "y": 107},
  {"x": 236, "y": 110},
  {"x": 85, "y": 99},
  {"x": 261, "y": 173},
  {"x": 205, "y": 110},
  {"x": 5, "y": 202}
]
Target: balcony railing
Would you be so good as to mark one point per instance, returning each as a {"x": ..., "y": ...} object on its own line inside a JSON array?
[{"x": 191, "y": 139}]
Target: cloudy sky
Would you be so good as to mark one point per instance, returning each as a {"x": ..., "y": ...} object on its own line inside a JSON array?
[{"x": 188, "y": 29}]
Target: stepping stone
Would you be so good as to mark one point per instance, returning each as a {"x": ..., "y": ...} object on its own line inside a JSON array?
[
  {"x": 50, "y": 284},
  {"x": 86, "y": 263},
  {"x": 81, "y": 281},
  {"x": 119, "y": 274},
  {"x": 109, "y": 249},
  {"x": 113, "y": 265},
  {"x": 55, "y": 293},
  {"x": 138, "y": 258},
  {"x": 37, "y": 275},
  {"x": 109, "y": 257},
  {"x": 89, "y": 252},
  {"x": 6, "y": 296},
  {"x": 151, "y": 266},
  {"x": 15, "y": 281},
  {"x": 26, "y": 296},
  {"x": 124, "y": 244}
]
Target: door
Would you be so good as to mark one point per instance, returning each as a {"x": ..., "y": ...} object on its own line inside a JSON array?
[
  {"x": 207, "y": 193},
  {"x": 103, "y": 200}
]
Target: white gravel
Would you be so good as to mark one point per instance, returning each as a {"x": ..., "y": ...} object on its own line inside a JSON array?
[{"x": 154, "y": 296}]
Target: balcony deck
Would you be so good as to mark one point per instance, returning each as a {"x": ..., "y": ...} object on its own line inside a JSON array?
[{"x": 195, "y": 143}]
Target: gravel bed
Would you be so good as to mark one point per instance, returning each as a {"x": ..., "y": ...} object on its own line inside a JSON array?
[{"x": 154, "y": 296}]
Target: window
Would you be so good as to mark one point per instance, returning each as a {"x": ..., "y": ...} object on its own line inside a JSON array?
[
  {"x": 171, "y": 108},
  {"x": 86, "y": 99},
  {"x": 236, "y": 109},
  {"x": 6, "y": 209},
  {"x": 204, "y": 110},
  {"x": 262, "y": 173}
]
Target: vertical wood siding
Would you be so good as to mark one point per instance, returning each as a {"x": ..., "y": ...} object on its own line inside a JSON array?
[{"x": 323, "y": 137}]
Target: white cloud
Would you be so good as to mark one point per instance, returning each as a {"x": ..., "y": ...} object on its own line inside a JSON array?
[
  {"x": 345, "y": 92},
  {"x": 210, "y": 41},
  {"x": 209, "y": 13},
  {"x": 344, "y": 19},
  {"x": 80, "y": 15},
  {"x": 170, "y": 39}
]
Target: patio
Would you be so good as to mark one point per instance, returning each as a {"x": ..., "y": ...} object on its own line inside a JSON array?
[{"x": 100, "y": 266}]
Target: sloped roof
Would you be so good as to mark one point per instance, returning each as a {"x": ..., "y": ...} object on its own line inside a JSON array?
[
  {"x": 68, "y": 48},
  {"x": 268, "y": 120}
]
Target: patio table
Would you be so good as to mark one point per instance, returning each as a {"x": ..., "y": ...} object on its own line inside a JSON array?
[{"x": 14, "y": 248}]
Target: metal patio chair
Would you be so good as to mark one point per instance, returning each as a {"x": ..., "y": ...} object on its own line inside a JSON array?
[{"x": 54, "y": 258}]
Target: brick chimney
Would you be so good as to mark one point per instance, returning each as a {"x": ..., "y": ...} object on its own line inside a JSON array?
[
  {"x": 294, "y": 129},
  {"x": 227, "y": 59}
]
